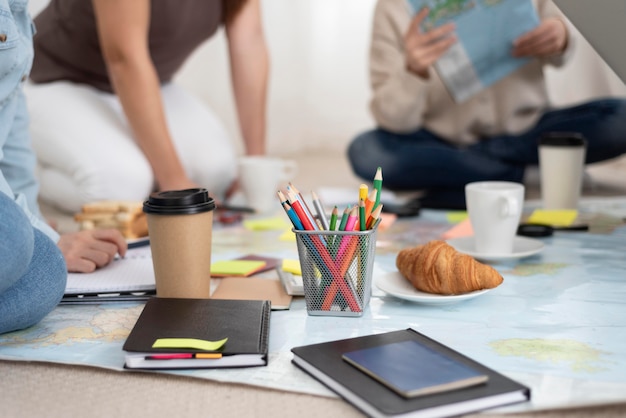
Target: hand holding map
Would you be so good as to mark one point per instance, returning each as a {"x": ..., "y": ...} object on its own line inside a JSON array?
[{"x": 486, "y": 30}]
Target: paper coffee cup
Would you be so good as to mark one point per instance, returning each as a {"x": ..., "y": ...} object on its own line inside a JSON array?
[
  {"x": 180, "y": 226},
  {"x": 561, "y": 167}
]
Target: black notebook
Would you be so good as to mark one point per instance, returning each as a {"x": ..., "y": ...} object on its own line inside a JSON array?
[
  {"x": 326, "y": 362},
  {"x": 245, "y": 324}
]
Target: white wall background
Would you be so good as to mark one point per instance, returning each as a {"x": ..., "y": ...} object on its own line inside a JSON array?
[{"x": 319, "y": 85}]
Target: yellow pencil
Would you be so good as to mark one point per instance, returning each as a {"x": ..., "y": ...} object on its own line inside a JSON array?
[{"x": 363, "y": 191}]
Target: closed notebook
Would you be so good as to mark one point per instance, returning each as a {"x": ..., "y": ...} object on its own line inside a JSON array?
[
  {"x": 412, "y": 369},
  {"x": 245, "y": 323},
  {"x": 325, "y": 362}
]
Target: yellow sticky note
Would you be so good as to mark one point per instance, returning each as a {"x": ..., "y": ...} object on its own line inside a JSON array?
[
  {"x": 235, "y": 267},
  {"x": 288, "y": 236},
  {"x": 456, "y": 216},
  {"x": 265, "y": 224},
  {"x": 192, "y": 343},
  {"x": 554, "y": 217},
  {"x": 292, "y": 266}
]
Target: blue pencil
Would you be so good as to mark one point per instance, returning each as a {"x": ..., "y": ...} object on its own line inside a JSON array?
[{"x": 293, "y": 216}]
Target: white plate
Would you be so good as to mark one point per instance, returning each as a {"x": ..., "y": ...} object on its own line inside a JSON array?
[
  {"x": 396, "y": 285},
  {"x": 522, "y": 247}
]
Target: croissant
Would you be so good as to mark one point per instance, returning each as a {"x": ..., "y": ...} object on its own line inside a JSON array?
[{"x": 436, "y": 267}]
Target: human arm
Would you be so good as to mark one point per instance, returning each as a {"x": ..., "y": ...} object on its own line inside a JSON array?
[
  {"x": 424, "y": 48},
  {"x": 123, "y": 33},
  {"x": 249, "y": 66},
  {"x": 551, "y": 40},
  {"x": 85, "y": 251},
  {"x": 400, "y": 58}
]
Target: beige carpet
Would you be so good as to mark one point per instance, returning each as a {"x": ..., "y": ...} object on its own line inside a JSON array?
[{"x": 51, "y": 390}]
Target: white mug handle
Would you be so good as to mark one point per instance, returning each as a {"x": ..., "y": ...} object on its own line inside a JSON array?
[{"x": 509, "y": 207}]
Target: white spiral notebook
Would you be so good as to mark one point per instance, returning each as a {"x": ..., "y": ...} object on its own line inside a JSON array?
[{"x": 133, "y": 273}]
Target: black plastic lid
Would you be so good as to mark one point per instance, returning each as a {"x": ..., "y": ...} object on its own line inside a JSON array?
[
  {"x": 179, "y": 202},
  {"x": 563, "y": 139}
]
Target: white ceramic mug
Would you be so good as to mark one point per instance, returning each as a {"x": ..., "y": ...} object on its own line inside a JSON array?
[
  {"x": 494, "y": 209},
  {"x": 260, "y": 178},
  {"x": 561, "y": 167}
]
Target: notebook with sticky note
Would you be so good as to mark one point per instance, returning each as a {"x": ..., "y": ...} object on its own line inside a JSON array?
[{"x": 199, "y": 333}]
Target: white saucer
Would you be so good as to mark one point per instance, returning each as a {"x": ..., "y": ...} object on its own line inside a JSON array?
[
  {"x": 522, "y": 247},
  {"x": 396, "y": 285}
]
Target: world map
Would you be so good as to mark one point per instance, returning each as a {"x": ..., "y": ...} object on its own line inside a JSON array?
[{"x": 556, "y": 323}]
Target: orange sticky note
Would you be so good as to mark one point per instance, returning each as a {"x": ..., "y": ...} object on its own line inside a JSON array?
[
  {"x": 462, "y": 229},
  {"x": 386, "y": 220}
]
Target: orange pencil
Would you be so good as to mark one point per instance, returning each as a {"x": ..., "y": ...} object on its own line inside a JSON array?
[
  {"x": 369, "y": 203},
  {"x": 371, "y": 221}
]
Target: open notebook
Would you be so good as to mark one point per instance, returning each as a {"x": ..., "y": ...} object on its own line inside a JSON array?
[{"x": 133, "y": 273}]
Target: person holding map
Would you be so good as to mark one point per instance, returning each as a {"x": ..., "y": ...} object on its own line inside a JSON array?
[{"x": 426, "y": 140}]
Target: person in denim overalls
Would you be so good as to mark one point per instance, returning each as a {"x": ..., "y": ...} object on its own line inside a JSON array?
[{"x": 33, "y": 268}]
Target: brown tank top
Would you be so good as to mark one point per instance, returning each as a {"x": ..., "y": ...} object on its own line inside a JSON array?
[{"x": 67, "y": 47}]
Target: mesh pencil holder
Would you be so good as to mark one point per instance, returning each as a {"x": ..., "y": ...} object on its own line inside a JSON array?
[{"x": 336, "y": 270}]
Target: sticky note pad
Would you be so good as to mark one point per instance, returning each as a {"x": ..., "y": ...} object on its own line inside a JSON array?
[
  {"x": 288, "y": 236},
  {"x": 554, "y": 217},
  {"x": 462, "y": 229},
  {"x": 292, "y": 266},
  {"x": 192, "y": 343},
  {"x": 235, "y": 267},
  {"x": 454, "y": 217},
  {"x": 266, "y": 224}
]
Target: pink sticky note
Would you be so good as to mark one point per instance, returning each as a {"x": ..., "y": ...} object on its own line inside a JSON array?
[{"x": 462, "y": 229}]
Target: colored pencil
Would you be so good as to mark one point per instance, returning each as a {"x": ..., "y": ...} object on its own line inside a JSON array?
[
  {"x": 362, "y": 219},
  {"x": 281, "y": 197},
  {"x": 374, "y": 217},
  {"x": 319, "y": 209},
  {"x": 352, "y": 219},
  {"x": 333, "y": 219},
  {"x": 176, "y": 356},
  {"x": 293, "y": 216},
  {"x": 305, "y": 207},
  {"x": 369, "y": 202},
  {"x": 344, "y": 218},
  {"x": 363, "y": 191},
  {"x": 296, "y": 205},
  {"x": 378, "y": 184}
]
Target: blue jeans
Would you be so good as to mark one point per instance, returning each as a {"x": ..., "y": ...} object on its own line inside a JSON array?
[
  {"x": 32, "y": 270},
  {"x": 423, "y": 161}
]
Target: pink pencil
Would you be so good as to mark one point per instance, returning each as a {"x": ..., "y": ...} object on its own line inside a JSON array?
[{"x": 352, "y": 218}]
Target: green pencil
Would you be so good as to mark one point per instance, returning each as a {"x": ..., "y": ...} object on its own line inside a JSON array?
[
  {"x": 362, "y": 220},
  {"x": 344, "y": 219},
  {"x": 333, "y": 219},
  {"x": 378, "y": 184}
]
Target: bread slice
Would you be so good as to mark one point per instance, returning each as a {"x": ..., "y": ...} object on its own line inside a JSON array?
[{"x": 125, "y": 216}]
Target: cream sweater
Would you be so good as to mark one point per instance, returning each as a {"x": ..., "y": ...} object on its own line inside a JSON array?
[{"x": 403, "y": 102}]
